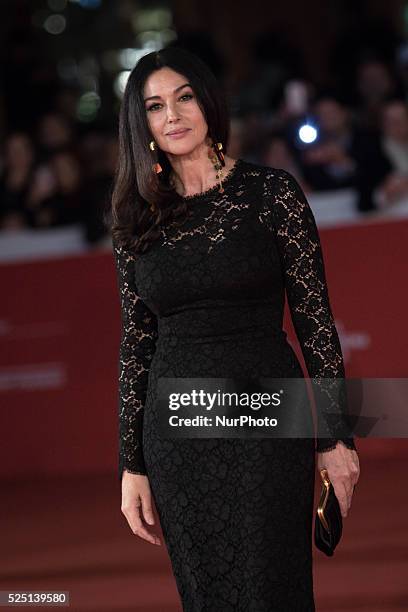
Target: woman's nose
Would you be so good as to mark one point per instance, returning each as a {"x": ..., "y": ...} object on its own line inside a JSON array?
[{"x": 172, "y": 113}]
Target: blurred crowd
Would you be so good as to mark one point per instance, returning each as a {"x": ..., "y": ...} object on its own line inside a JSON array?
[
  {"x": 54, "y": 176},
  {"x": 361, "y": 140},
  {"x": 57, "y": 173}
]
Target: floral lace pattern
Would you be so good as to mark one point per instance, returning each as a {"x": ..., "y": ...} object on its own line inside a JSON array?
[
  {"x": 137, "y": 345},
  {"x": 288, "y": 215},
  {"x": 207, "y": 300}
]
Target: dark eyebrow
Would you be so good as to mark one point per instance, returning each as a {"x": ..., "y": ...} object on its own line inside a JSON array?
[{"x": 175, "y": 91}]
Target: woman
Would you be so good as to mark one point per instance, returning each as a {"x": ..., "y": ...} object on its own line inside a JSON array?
[{"x": 205, "y": 246}]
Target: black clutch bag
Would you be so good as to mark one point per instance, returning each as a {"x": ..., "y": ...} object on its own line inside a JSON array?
[{"x": 328, "y": 521}]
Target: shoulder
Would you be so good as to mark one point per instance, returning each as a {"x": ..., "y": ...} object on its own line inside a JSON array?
[
  {"x": 273, "y": 181},
  {"x": 279, "y": 195},
  {"x": 256, "y": 170}
]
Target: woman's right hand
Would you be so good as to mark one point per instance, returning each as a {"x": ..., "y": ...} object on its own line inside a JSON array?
[{"x": 136, "y": 495}]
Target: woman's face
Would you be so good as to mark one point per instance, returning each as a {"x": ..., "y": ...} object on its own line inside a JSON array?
[{"x": 171, "y": 105}]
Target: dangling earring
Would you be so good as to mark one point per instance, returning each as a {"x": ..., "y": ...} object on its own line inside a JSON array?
[
  {"x": 217, "y": 157},
  {"x": 220, "y": 153},
  {"x": 156, "y": 167}
]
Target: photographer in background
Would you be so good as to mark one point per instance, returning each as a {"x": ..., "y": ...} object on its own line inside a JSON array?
[{"x": 343, "y": 155}]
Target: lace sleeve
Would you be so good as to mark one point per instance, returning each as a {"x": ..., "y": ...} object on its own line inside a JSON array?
[
  {"x": 137, "y": 346},
  {"x": 307, "y": 292}
]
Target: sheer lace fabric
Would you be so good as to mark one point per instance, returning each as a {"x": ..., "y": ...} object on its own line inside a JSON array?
[
  {"x": 207, "y": 300},
  {"x": 284, "y": 211}
]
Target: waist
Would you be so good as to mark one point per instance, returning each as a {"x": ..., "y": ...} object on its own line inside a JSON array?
[{"x": 222, "y": 320}]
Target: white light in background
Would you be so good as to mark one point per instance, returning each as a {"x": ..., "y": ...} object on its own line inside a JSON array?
[
  {"x": 152, "y": 19},
  {"x": 168, "y": 35},
  {"x": 153, "y": 28},
  {"x": 120, "y": 83},
  {"x": 153, "y": 40},
  {"x": 88, "y": 72},
  {"x": 55, "y": 24},
  {"x": 307, "y": 133},
  {"x": 129, "y": 57},
  {"x": 88, "y": 105}
]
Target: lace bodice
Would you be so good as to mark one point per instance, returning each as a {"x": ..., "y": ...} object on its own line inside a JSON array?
[{"x": 255, "y": 241}]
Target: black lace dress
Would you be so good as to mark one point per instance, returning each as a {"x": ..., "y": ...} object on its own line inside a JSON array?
[{"x": 207, "y": 300}]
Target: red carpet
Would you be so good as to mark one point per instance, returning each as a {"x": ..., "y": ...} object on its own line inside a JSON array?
[{"x": 69, "y": 534}]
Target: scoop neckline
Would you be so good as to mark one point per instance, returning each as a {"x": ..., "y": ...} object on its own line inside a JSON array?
[{"x": 211, "y": 190}]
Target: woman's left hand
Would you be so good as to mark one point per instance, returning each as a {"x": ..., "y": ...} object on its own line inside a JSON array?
[{"x": 343, "y": 469}]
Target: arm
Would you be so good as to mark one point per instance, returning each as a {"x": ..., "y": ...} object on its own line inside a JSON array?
[
  {"x": 137, "y": 346},
  {"x": 306, "y": 288}
]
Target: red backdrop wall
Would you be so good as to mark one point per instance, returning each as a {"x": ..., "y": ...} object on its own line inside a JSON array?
[{"x": 60, "y": 332}]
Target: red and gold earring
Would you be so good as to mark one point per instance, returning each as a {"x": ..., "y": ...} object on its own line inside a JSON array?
[
  {"x": 216, "y": 155},
  {"x": 156, "y": 167}
]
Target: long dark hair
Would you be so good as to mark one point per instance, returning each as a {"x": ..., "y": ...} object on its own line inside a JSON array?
[{"x": 131, "y": 220}]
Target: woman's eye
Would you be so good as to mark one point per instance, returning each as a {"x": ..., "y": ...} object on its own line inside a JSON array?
[{"x": 153, "y": 107}]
